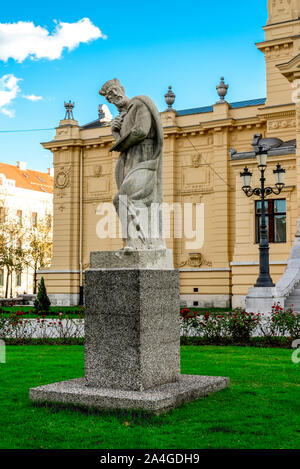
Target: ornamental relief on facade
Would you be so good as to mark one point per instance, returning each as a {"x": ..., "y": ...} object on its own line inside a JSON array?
[
  {"x": 62, "y": 179},
  {"x": 96, "y": 183},
  {"x": 98, "y": 170},
  {"x": 195, "y": 260},
  {"x": 196, "y": 160},
  {"x": 61, "y": 132},
  {"x": 281, "y": 124},
  {"x": 195, "y": 178},
  {"x": 280, "y": 10}
]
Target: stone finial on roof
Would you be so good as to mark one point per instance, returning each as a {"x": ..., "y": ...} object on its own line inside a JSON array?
[
  {"x": 69, "y": 110},
  {"x": 222, "y": 89},
  {"x": 170, "y": 98}
]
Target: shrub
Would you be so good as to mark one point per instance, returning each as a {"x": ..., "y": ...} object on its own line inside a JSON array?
[
  {"x": 213, "y": 326},
  {"x": 241, "y": 325},
  {"x": 189, "y": 322},
  {"x": 282, "y": 323},
  {"x": 42, "y": 302}
]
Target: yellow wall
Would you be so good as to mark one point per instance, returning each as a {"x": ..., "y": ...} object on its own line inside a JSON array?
[{"x": 197, "y": 168}]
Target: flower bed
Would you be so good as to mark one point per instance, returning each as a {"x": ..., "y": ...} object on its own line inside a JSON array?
[
  {"x": 20, "y": 327},
  {"x": 239, "y": 327},
  {"x": 279, "y": 328}
]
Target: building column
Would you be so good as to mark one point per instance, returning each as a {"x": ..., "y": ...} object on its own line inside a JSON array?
[
  {"x": 63, "y": 277},
  {"x": 221, "y": 187}
]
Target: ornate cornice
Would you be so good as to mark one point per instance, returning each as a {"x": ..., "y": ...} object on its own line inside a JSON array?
[{"x": 291, "y": 69}]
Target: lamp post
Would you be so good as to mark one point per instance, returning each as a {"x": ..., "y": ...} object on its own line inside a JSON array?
[{"x": 264, "y": 279}]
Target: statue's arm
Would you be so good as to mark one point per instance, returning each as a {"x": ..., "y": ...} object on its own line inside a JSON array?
[
  {"x": 116, "y": 127},
  {"x": 141, "y": 127}
]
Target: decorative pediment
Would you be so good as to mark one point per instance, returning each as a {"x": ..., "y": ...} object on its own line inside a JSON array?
[{"x": 291, "y": 69}]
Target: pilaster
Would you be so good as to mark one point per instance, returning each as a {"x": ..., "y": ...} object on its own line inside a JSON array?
[{"x": 221, "y": 187}]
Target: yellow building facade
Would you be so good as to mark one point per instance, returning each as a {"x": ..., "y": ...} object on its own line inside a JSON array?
[{"x": 205, "y": 150}]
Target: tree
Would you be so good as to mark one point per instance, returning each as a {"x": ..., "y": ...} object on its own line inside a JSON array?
[
  {"x": 39, "y": 251},
  {"x": 42, "y": 302},
  {"x": 12, "y": 252}
]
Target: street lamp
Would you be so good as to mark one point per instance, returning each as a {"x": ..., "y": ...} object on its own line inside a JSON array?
[{"x": 264, "y": 279}]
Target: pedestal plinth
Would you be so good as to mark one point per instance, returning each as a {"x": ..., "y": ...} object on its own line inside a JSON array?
[
  {"x": 260, "y": 300},
  {"x": 132, "y": 328},
  {"x": 132, "y": 338}
]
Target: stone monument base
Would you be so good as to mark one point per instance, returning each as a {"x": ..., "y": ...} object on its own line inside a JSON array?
[
  {"x": 156, "y": 400},
  {"x": 260, "y": 300},
  {"x": 132, "y": 338}
]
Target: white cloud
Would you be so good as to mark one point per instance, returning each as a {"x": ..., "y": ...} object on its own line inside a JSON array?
[
  {"x": 9, "y": 90},
  {"x": 8, "y": 112},
  {"x": 23, "y": 39},
  {"x": 32, "y": 97}
]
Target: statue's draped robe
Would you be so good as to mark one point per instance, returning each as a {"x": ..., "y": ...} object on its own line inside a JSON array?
[{"x": 139, "y": 167}]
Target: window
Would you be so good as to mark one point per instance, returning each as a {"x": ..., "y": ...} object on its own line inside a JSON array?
[
  {"x": 34, "y": 218},
  {"x": 18, "y": 279},
  {"x": 275, "y": 220},
  {"x": 19, "y": 217},
  {"x": 1, "y": 277}
]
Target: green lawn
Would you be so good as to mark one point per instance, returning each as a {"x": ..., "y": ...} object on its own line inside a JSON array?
[
  {"x": 73, "y": 311},
  {"x": 261, "y": 409}
]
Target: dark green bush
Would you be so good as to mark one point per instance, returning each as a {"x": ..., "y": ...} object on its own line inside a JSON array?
[{"x": 42, "y": 302}]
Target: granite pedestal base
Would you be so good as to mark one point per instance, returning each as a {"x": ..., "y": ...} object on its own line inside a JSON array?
[
  {"x": 156, "y": 400},
  {"x": 132, "y": 338}
]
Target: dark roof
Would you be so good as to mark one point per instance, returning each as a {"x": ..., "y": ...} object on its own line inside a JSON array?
[
  {"x": 94, "y": 124},
  {"x": 235, "y": 105},
  {"x": 196, "y": 110},
  {"x": 276, "y": 147}
]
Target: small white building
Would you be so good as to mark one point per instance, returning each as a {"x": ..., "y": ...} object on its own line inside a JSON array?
[{"x": 25, "y": 196}]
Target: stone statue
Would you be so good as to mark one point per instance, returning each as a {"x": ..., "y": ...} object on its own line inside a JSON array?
[{"x": 139, "y": 139}]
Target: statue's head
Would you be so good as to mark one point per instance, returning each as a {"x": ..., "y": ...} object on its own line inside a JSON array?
[{"x": 114, "y": 92}]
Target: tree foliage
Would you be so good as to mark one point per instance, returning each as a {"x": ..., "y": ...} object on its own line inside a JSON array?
[
  {"x": 39, "y": 251},
  {"x": 42, "y": 302},
  {"x": 12, "y": 252},
  {"x": 24, "y": 245}
]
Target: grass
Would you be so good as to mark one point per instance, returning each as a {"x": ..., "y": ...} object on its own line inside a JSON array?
[
  {"x": 261, "y": 409},
  {"x": 210, "y": 310},
  {"x": 6, "y": 311}
]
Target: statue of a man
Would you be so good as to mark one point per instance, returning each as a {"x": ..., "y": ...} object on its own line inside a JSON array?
[{"x": 139, "y": 139}]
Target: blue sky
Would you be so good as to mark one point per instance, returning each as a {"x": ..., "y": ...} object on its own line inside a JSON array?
[{"x": 149, "y": 46}]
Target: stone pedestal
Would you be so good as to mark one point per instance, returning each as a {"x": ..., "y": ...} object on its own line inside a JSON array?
[
  {"x": 131, "y": 328},
  {"x": 132, "y": 338},
  {"x": 260, "y": 300}
]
